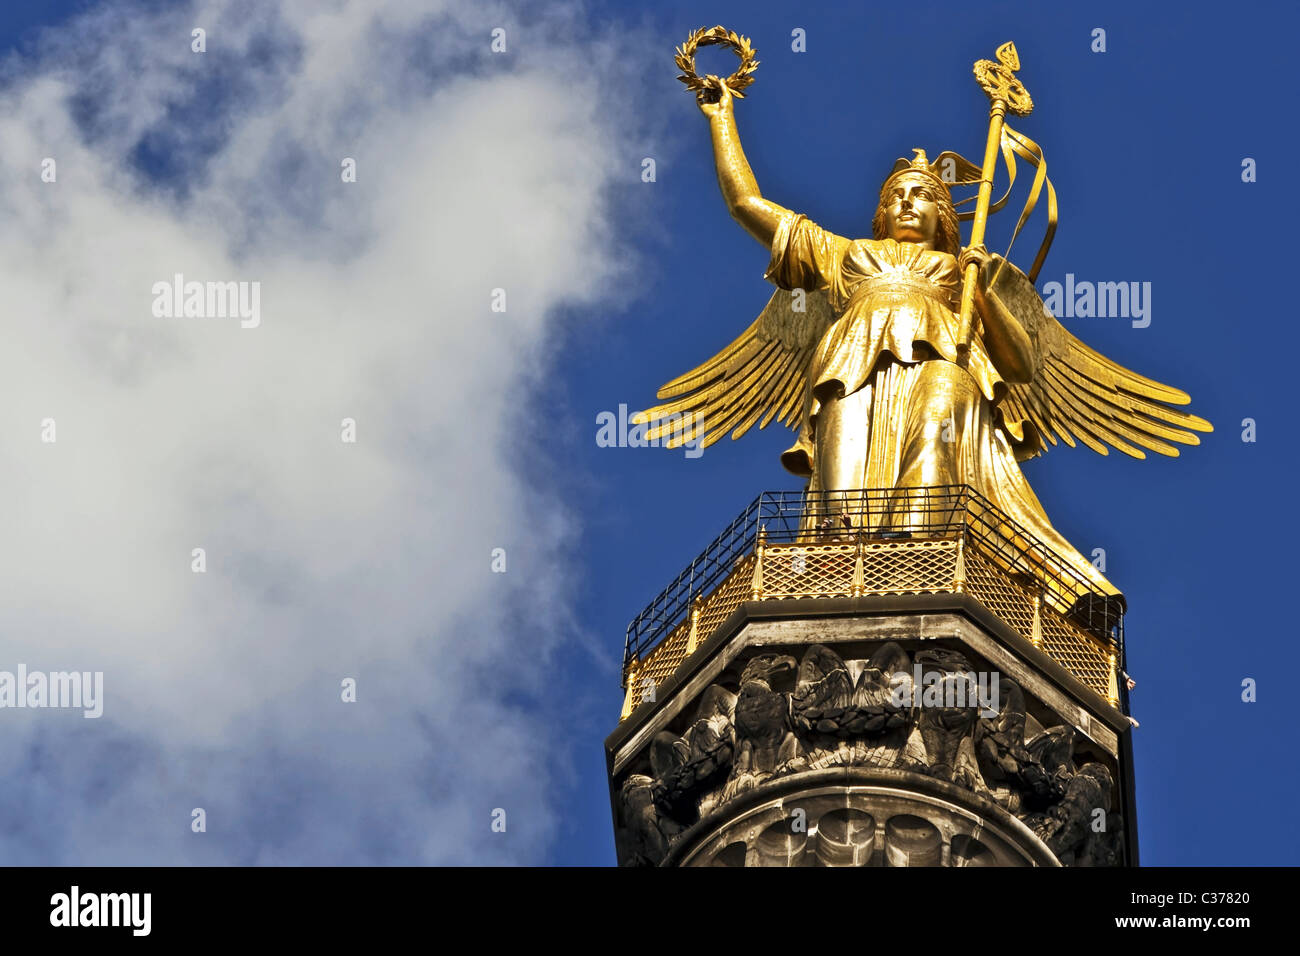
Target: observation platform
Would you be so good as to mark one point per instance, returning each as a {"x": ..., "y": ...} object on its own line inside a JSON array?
[{"x": 866, "y": 542}]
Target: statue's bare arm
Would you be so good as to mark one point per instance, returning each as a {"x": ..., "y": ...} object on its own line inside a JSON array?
[{"x": 746, "y": 204}]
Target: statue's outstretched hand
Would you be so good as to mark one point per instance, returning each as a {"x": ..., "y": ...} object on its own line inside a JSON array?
[{"x": 714, "y": 102}]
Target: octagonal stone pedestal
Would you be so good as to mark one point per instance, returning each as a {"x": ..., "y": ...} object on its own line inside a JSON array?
[{"x": 775, "y": 743}]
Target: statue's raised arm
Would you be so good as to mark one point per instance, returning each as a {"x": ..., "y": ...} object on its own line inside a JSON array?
[
  {"x": 716, "y": 98},
  {"x": 759, "y": 216}
]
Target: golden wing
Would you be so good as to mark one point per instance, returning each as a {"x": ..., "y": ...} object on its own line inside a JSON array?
[
  {"x": 1079, "y": 393},
  {"x": 761, "y": 375}
]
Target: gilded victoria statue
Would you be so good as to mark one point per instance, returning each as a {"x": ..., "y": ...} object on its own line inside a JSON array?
[{"x": 906, "y": 360}]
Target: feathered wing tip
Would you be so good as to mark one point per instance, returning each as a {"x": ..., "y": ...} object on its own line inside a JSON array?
[
  {"x": 1078, "y": 393},
  {"x": 760, "y": 377}
]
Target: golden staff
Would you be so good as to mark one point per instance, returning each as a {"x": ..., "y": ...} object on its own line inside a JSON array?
[{"x": 1007, "y": 95}]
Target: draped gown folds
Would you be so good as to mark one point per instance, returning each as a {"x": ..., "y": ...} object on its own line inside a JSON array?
[{"x": 887, "y": 405}]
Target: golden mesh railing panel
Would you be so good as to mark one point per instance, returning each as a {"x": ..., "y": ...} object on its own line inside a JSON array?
[
  {"x": 801, "y": 571},
  {"x": 909, "y": 567},
  {"x": 1068, "y": 645},
  {"x": 662, "y": 662},
  {"x": 713, "y": 609},
  {"x": 989, "y": 585},
  {"x": 1078, "y": 652},
  {"x": 719, "y": 605},
  {"x": 904, "y": 567}
]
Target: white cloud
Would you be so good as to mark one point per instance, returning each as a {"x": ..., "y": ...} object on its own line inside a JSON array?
[{"x": 325, "y": 560}]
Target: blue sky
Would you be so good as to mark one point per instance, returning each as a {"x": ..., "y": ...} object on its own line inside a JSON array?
[{"x": 1144, "y": 143}]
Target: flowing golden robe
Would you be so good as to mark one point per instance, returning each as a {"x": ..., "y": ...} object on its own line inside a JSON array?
[{"x": 887, "y": 404}]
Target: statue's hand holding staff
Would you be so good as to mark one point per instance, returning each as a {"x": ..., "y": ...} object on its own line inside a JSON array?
[{"x": 980, "y": 255}]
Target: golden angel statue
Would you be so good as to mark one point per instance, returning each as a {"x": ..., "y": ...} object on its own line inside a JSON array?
[{"x": 861, "y": 348}]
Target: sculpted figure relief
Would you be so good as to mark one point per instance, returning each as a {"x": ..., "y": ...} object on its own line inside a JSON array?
[{"x": 785, "y": 719}]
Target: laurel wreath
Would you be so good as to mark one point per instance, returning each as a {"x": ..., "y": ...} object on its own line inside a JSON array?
[{"x": 716, "y": 36}]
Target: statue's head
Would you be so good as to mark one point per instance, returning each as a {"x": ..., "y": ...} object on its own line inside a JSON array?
[{"x": 916, "y": 206}]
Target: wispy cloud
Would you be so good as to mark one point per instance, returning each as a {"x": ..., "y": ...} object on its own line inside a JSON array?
[{"x": 325, "y": 559}]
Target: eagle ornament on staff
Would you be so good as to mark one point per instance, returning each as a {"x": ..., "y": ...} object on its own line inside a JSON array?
[{"x": 907, "y": 360}]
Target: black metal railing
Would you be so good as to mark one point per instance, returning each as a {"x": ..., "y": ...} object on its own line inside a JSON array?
[{"x": 879, "y": 514}]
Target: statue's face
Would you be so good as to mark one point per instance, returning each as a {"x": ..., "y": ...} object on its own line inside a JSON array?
[{"x": 912, "y": 211}]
